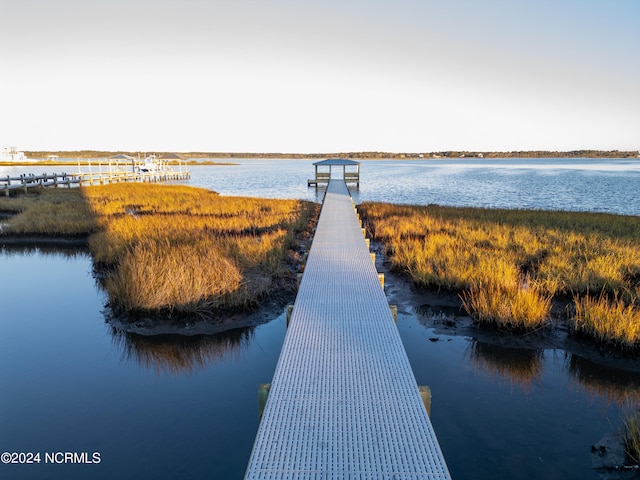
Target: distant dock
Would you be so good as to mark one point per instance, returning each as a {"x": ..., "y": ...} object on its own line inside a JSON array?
[{"x": 117, "y": 170}]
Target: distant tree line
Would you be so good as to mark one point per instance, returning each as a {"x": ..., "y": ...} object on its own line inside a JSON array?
[{"x": 353, "y": 155}]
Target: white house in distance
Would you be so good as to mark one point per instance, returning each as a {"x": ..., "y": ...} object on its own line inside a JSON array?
[{"x": 12, "y": 154}]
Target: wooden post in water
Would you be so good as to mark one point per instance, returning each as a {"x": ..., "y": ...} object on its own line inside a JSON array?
[
  {"x": 394, "y": 312},
  {"x": 289, "y": 313},
  {"x": 425, "y": 393},
  {"x": 263, "y": 396}
]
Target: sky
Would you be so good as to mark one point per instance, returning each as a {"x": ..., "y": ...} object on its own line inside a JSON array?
[{"x": 323, "y": 76}]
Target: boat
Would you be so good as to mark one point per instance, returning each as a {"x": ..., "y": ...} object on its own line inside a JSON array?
[
  {"x": 153, "y": 165},
  {"x": 12, "y": 154}
]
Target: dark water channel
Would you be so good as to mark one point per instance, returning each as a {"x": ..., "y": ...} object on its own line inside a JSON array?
[{"x": 175, "y": 407}]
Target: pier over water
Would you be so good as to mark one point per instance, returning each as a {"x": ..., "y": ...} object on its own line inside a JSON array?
[{"x": 343, "y": 401}]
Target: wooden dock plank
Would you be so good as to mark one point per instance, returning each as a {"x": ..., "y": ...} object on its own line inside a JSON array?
[{"x": 343, "y": 401}]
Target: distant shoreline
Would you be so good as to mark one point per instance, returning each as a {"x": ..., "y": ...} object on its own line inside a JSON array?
[
  {"x": 87, "y": 154},
  {"x": 86, "y": 161}
]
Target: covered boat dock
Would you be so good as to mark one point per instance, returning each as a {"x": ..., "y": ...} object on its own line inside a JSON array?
[{"x": 325, "y": 171}]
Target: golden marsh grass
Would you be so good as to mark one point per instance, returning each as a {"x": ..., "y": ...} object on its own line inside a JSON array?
[
  {"x": 52, "y": 212},
  {"x": 511, "y": 303},
  {"x": 173, "y": 248},
  {"x": 191, "y": 250},
  {"x": 509, "y": 264},
  {"x": 608, "y": 320},
  {"x": 632, "y": 436}
]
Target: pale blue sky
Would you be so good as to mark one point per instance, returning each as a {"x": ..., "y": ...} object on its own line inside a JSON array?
[{"x": 320, "y": 76}]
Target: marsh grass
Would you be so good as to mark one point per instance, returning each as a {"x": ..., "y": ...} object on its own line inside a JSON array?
[
  {"x": 190, "y": 250},
  {"x": 508, "y": 265},
  {"x": 631, "y": 420},
  {"x": 168, "y": 248},
  {"x": 513, "y": 304},
  {"x": 608, "y": 320},
  {"x": 51, "y": 212}
]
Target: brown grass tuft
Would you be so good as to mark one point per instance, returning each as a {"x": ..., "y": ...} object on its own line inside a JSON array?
[
  {"x": 153, "y": 274},
  {"x": 514, "y": 304}
]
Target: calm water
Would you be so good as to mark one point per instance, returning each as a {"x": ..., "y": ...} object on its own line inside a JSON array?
[
  {"x": 609, "y": 185},
  {"x": 554, "y": 184},
  {"x": 176, "y": 407}
]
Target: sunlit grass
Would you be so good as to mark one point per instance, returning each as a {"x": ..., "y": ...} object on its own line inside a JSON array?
[
  {"x": 173, "y": 248},
  {"x": 608, "y": 320},
  {"x": 191, "y": 250},
  {"x": 155, "y": 274},
  {"x": 509, "y": 264},
  {"x": 513, "y": 303}
]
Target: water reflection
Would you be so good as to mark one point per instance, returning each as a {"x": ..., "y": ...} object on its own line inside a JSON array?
[
  {"x": 177, "y": 354},
  {"x": 610, "y": 384},
  {"x": 53, "y": 248},
  {"x": 521, "y": 367},
  {"x": 485, "y": 432}
]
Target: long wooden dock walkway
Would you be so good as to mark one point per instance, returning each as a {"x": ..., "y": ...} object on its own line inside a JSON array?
[{"x": 343, "y": 401}]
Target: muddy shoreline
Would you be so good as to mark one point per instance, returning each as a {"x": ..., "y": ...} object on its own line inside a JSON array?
[
  {"x": 34, "y": 241},
  {"x": 193, "y": 326}
]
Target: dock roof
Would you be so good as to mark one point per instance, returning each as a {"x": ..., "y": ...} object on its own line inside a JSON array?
[
  {"x": 337, "y": 161},
  {"x": 169, "y": 156}
]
